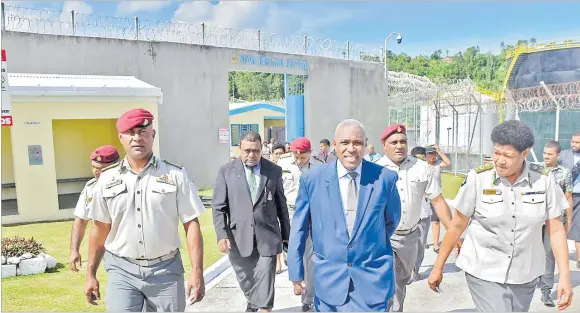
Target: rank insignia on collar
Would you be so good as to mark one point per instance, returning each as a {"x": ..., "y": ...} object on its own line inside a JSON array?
[
  {"x": 491, "y": 192},
  {"x": 114, "y": 183}
]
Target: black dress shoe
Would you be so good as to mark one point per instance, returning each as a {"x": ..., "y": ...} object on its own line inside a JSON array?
[
  {"x": 546, "y": 299},
  {"x": 307, "y": 308},
  {"x": 249, "y": 308}
]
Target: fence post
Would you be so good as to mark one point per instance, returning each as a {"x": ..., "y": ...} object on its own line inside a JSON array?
[
  {"x": 203, "y": 33},
  {"x": 72, "y": 18},
  {"x": 259, "y": 42},
  {"x": 3, "y": 17},
  {"x": 305, "y": 44},
  {"x": 136, "y": 28},
  {"x": 348, "y": 49}
]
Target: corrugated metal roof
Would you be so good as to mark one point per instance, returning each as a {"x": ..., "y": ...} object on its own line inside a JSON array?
[{"x": 86, "y": 85}]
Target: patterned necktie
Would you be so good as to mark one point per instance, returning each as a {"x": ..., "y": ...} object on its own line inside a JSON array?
[
  {"x": 351, "y": 202},
  {"x": 252, "y": 184}
]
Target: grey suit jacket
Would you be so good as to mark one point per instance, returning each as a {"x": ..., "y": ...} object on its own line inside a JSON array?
[
  {"x": 236, "y": 218},
  {"x": 566, "y": 159},
  {"x": 331, "y": 157}
]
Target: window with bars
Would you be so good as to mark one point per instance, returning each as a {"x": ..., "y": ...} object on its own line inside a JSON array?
[{"x": 237, "y": 130}]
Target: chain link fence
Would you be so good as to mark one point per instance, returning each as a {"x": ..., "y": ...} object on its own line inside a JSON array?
[
  {"x": 55, "y": 22},
  {"x": 451, "y": 113}
]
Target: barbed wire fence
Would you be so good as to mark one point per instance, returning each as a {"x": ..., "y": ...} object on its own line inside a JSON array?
[
  {"x": 556, "y": 108},
  {"x": 429, "y": 107},
  {"x": 57, "y": 22}
]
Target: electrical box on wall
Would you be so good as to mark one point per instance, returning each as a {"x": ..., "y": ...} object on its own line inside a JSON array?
[{"x": 34, "y": 154}]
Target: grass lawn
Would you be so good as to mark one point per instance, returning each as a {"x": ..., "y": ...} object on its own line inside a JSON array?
[
  {"x": 63, "y": 290},
  {"x": 451, "y": 184}
]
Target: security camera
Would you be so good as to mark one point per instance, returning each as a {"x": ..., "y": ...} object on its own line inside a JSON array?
[{"x": 399, "y": 38}]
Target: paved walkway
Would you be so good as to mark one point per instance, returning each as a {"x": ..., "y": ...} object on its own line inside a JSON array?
[{"x": 225, "y": 294}]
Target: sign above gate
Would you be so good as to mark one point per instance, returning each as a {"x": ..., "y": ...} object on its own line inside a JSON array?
[{"x": 245, "y": 59}]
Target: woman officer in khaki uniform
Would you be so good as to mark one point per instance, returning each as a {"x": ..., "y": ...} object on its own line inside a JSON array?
[{"x": 505, "y": 204}]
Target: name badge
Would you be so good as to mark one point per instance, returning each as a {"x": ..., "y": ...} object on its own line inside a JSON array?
[
  {"x": 269, "y": 196},
  {"x": 113, "y": 183},
  {"x": 491, "y": 192},
  {"x": 527, "y": 193},
  {"x": 164, "y": 179}
]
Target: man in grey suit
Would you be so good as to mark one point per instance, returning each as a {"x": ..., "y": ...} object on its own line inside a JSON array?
[
  {"x": 569, "y": 158},
  {"x": 325, "y": 154},
  {"x": 251, "y": 220}
]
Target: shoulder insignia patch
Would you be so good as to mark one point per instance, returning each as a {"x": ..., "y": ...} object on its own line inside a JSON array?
[
  {"x": 285, "y": 171},
  {"x": 484, "y": 167},
  {"x": 173, "y": 164},
  {"x": 92, "y": 181},
  {"x": 116, "y": 164},
  {"x": 540, "y": 169}
]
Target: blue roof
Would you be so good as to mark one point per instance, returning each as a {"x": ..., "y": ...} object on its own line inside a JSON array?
[{"x": 257, "y": 106}]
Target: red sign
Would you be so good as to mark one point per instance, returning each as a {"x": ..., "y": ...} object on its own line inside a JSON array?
[{"x": 6, "y": 120}]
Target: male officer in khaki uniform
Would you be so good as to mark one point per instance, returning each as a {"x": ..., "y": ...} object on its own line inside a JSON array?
[
  {"x": 137, "y": 206},
  {"x": 100, "y": 158},
  {"x": 300, "y": 162},
  {"x": 416, "y": 181}
]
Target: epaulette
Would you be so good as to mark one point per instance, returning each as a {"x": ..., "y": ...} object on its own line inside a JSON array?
[
  {"x": 285, "y": 155},
  {"x": 173, "y": 164},
  {"x": 111, "y": 166},
  {"x": 285, "y": 171},
  {"x": 540, "y": 169},
  {"x": 484, "y": 167},
  {"x": 92, "y": 181}
]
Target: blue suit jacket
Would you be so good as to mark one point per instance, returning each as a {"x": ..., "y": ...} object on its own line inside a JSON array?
[{"x": 366, "y": 257}]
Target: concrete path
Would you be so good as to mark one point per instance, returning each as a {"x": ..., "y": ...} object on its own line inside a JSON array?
[{"x": 224, "y": 294}]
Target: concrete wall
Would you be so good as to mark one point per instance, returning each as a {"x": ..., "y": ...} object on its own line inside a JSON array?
[{"x": 194, "y": 80}]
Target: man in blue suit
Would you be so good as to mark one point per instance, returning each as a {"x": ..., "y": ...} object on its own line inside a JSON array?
[{"x": 351, "y": 207}]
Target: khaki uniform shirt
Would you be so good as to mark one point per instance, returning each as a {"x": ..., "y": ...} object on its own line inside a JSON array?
[
  {"x": 144, "y": 209},
  {"x": 416, "y": 180},
  {"x": 291, "y": 173},
  {"x": 82, "y": 209},
  {"x": 503, "y": 241}
]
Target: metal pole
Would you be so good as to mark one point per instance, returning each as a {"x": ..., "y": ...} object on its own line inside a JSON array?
[
  {"x": 532, "y": 149},
  {"x": 385, "y": 55},
  {"x": 557, "y": 108},
  {"x": 203, "y": 33},
  {"x": 72, "y": 18},
  {"x": 348, "y": 50},
  {"x": 3, "y": 17},
  {"x": 259, "y": 42},
  {"x": 305, "y": 44},
  {"x": 136, "y": 28},
  {"x": 456, "y": 138}
]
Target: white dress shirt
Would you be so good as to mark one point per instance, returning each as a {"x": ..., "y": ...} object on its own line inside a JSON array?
[
  {"x": 416, "y": 181},
  {"x": 343, "y": 180}
]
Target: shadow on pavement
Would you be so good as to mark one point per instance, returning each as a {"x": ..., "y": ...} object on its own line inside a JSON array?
[{"x": 291, "y": 309}]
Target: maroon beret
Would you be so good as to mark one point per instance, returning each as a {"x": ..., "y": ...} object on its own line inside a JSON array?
[
  {"x": 393, "y": 129},
  {"x": 301, "y": 145},
  {"x": 105, "y": 154},
  {"x": 134, "y": 118}
]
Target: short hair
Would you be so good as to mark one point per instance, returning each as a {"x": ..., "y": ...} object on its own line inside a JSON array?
[
  {"x": 325, "y": 141},
  {"x": 553, "y": 144},
  {"x": 277, "y": 146},
  {"x": 576, "y": 134},
  {"x": 351, "y": 123},
  {"x": 417, "y": 150},
  {"x": 513, "y": 133},
  {"x": 251, "y": 136}
]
